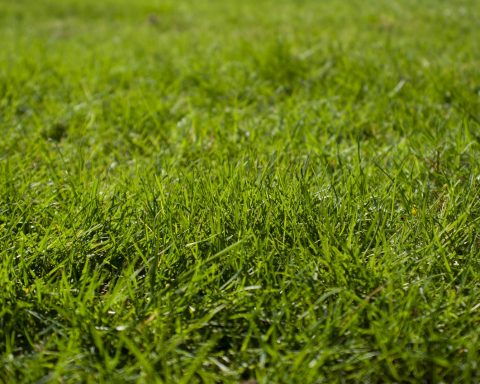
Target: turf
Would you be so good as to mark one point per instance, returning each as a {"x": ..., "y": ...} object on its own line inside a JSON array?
[{"x": 239, "y": 191}]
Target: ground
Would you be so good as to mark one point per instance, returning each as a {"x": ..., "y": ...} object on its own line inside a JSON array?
[{"x": 239, "y": 191}]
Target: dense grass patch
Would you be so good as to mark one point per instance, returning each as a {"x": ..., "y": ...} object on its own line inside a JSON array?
[{"x": 239, "y": 191}]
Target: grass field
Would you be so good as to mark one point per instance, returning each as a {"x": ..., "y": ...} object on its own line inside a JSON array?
[{"x": 240, "y": 191}]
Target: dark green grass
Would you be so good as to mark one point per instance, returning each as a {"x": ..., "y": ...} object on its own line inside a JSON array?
[{"x": 223, "y": 191}]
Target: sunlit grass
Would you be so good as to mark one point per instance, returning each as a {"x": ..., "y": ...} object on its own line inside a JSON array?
[{"x": 270, "y": 191}]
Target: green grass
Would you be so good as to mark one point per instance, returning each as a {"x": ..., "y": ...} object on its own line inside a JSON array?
[{"x": 231, "y": 191}]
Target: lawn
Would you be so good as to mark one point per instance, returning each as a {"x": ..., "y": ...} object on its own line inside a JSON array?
[{"x": 269, "y": 191}]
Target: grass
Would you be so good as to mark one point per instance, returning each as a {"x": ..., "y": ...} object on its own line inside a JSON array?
[{"x": 239, "y": 191}]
